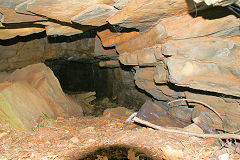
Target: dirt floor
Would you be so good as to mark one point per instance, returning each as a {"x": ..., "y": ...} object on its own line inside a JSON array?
[{"x": 75, "y": 138}]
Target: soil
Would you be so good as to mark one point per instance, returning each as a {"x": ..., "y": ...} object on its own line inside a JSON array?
[{"x": 106, "y": 138}]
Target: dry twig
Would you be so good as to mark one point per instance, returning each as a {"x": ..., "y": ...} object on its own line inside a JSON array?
[{"x": 222, "y": 136}]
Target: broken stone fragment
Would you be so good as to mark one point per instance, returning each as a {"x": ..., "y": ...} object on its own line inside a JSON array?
[
  {"x": 204, "y": 125},
  {"x": 119, "y": 112}
]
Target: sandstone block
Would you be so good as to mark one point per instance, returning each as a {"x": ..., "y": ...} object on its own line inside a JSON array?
[
  {"x": 100, "y": 51},
  {"x": 95, "y": 15},
  {"x": 189, "y": 27},
  {"x": 30, "y": 92},
  {"x": 110, "y": 38},
  {"x": 11, "y": 33},
  {"x": 160, "y": 73},
  {"x": 210, "y": 64},
  {"x": 63, "y": 10},
  {"x": 134, "y": 14},
  {"x": 7, "y": 9},
  {"x": 156, "y": 35}
]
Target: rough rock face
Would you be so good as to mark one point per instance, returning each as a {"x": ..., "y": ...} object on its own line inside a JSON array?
[
  {"x": 23, "y": 53},
  {"x": 31, "y": 91}
]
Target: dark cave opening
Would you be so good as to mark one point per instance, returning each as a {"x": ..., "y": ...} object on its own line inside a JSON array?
[
  {"x": 82, "y": 76},
  {"x": 114, "y": 87}
]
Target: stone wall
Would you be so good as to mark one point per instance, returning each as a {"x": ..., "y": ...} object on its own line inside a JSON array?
[{"x": 22, "y": 53}]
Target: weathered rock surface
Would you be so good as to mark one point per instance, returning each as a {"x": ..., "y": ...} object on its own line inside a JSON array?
[
  {"x": 110, "y": 38},
  {"x": 131, "y": 14},
  {"x": 95, "y": 15},
  {"x": 144, "y": 79},
  {"x": 20, "y": 103},
  {"x": 100, "y": 51},
  {"x": 7, "y": 9},
  {"x": 156, "y": 35},
  {"x": 144, "y": 57},
  {"x": 22, "y": 54},
  {"x": 125, "y": 91},
  {"x": 30, "y": 92},
  {"x": 189, "y": 27},
  {"x": 134, "y": 14},
  {"x": 57, "y": 9},
  {"x": 210, "y": 64}
]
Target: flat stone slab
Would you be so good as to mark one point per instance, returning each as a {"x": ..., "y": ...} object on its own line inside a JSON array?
[
  {"x": 62, "y": 10},
  {"x": 7, "y": 9},
  {"x": 11, "y": 33}
]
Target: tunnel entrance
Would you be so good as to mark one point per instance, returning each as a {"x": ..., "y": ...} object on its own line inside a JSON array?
[
  {"x": 106, "y": 87},
  {"x": 82, "y": 76}
]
